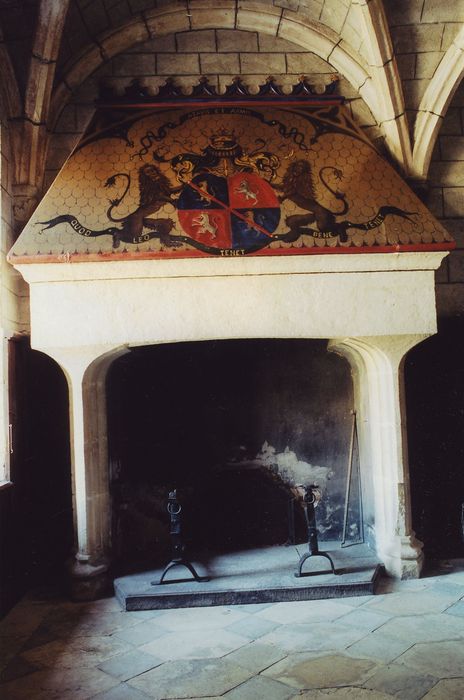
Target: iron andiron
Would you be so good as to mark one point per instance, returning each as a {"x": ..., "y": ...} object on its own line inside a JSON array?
[
  {"x": 312, "y": 496},
  {"x": 174, "y": 509}
]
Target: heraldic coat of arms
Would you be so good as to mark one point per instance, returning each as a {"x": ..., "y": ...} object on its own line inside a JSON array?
[{"x": 247, "y": 183}]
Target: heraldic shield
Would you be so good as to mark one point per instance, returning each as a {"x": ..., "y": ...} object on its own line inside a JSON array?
[{"x": 239, "y": 212}]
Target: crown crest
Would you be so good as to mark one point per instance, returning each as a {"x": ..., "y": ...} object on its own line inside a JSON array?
[{"x": 223, "y": 139}]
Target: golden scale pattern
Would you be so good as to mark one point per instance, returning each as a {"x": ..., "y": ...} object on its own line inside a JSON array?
[{"x": 368, "y": 183}]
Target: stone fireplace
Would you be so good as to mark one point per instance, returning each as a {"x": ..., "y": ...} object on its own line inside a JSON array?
[
  {"x": 375, "y": 345},
  {"x": 362, "y": 284}
]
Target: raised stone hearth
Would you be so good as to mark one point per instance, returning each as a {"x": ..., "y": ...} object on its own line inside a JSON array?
[{"x": 265, "y": 575}]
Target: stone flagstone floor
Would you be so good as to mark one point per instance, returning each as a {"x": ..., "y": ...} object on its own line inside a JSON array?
[{"x": 406, "y": 642}]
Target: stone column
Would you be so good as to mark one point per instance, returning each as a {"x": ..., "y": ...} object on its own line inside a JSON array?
[
  {"x": 377, "y": 364},
  {"x": 86, "y": 377}
]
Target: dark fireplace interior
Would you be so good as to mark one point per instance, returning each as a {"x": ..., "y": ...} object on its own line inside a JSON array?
[{"x": 234, "y": 426}]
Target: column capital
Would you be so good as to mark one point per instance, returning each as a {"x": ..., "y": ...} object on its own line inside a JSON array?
[{"x": 372, "y": 348}]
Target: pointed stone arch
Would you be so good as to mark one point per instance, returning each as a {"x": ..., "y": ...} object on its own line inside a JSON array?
[
  {"x": 28, "y": 130},
  {"x": 390, "y": 107},
  {"x": 435, "y": 102},
  {"x": 310, "y": 35},
  {"x": 47, "y": 41}
]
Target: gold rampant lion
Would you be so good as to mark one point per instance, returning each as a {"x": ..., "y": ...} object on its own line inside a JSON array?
[
  {"x": 298, "y": 186},
  {"x": 155, "y": 191}
]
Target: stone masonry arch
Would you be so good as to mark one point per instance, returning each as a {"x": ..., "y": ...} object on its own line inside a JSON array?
[
  {"x": 435, "y": 102},
  {"x": 311, "y": 36}
]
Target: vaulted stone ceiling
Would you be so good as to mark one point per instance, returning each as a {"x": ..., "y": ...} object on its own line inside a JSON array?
[{"x": 405, "y": 60}]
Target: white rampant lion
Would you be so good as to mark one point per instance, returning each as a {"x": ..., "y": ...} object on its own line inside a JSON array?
[
  {"x": 244, "y": 188},
  {"x": 205, "y": 224}
]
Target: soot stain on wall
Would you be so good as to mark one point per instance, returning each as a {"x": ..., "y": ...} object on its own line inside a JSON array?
[{"x": 233, "y": 425}]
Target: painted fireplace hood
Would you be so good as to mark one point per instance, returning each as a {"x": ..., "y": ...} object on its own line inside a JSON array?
[
  {"x": 225, "y": 177},
  {"x": 221, "y": 221}
]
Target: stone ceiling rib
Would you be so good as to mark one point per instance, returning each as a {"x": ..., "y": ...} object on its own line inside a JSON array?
[
  {"x": 390, "y": 108},
  {"x": 435, "y": 102},
  {"x": 47, "y": 41},
  {"x": 28, "y": 128}
]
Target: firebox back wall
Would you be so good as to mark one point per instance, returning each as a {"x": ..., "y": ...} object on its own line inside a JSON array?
[{"x": 199, "y": 408}]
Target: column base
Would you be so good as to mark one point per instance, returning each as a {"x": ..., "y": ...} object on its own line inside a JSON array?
[
  {"x": 403, "y": 558},
  {"x": 88, "y": 581}
]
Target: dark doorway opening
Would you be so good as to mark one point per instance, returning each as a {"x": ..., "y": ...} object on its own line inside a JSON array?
[
  {"x": 36, "y": 511},
  {"x": 434, "y": 376}
]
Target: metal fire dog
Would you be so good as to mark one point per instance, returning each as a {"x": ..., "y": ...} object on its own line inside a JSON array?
[
  {"x": 312, "y": 496},
  {"x": 174, "y": 509}
]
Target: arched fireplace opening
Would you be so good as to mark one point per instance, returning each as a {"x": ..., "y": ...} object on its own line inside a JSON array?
[{"x": 235, "y": 426}]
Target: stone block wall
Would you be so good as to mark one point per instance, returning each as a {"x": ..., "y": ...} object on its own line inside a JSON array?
[
  {"x": 422, "y": 31},
  {"x": 90, "y": 19},
  {"x": 446, "y": 201}
]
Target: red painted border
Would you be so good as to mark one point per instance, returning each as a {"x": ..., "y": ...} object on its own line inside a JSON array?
[
  {"x": 155, "y": 255},
  {"x": 205, "y": 102}
]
